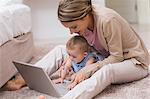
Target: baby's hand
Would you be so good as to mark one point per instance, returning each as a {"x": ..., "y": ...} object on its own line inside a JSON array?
[
  {"x": 59, "y": 80},
  {"x": 62, "y": 74}
]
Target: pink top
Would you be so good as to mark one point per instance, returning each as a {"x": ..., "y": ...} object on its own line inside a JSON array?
[{"x": 93, "y": 40}]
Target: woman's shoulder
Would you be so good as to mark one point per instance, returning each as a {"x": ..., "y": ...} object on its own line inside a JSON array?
[{"x": 104, "y": 14}]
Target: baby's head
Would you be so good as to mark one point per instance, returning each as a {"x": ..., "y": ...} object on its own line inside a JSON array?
[{"x": 77, "y": 48}]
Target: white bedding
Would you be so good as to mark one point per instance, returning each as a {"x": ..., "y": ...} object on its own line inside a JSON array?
[
  {"x": 15, "y": 19},
  {"x": 10, "y": 2}
]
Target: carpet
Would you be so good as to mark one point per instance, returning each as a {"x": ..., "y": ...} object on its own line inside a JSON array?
[{"x": 134, "y": 90}]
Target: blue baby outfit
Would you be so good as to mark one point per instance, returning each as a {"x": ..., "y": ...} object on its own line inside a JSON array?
[{"x": 77, "y": 66}]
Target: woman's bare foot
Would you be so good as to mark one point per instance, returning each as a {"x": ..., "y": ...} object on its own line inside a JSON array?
[
  {"x": 41, "y": 97},
  {"x": 15, "y": 84}
]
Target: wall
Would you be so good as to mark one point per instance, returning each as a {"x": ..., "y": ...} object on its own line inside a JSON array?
[
  {"x": 126, "y": 8},
  {"x": 100, "y": 3},
  {"x": 134, "y": 11},
  {"x": 46, "y": 28},
  {"x": 144, "y": 11}
]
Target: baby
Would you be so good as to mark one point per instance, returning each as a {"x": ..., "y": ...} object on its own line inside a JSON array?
[{"x": 79, "y": 56}]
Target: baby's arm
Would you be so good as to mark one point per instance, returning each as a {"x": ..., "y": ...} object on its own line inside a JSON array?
[
  {"x": 68, "y": 64},
  {"x": 74, "y": 79},
  {"x": 64, "y": 70},
  {"x": 90, "y": 61}
]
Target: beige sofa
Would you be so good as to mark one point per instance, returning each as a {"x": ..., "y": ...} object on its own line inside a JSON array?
[{"x": 20, "y": 48}]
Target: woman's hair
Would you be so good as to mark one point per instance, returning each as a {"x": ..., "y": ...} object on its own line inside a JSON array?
[
  {"x": 79, "y": 41},
  {"x": 71, "y": 10}
]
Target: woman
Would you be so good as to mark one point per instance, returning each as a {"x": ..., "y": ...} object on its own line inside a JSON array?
[
  {"x": 126, "y": 57},
  {"x": 112, "y": 36}
]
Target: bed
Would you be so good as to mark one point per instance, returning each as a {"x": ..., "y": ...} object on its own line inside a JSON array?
[{"x": 16, "y": 39}]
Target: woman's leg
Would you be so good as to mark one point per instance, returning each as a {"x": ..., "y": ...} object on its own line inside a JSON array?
[
  {"x": 51, "y": 62},
  {"x": 122, "y": 72}
]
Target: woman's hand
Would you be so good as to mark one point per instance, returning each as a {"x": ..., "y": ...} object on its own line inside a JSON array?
[
  {"x": 76, "y": 79},
  {"x": 83, "y": 74}
]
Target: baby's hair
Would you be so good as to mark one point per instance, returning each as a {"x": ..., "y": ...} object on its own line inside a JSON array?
[{"x": 79, "y": 41}]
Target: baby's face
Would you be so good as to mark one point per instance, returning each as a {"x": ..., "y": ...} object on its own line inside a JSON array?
[{"x": 76, "y": 55}]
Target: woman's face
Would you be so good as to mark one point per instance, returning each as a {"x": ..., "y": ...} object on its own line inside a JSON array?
[{"x": 78, "y": 26}]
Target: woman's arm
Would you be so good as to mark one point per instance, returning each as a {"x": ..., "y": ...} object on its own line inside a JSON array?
[
  {"x": 78, "y": 77},
  {"x": 113, "y": 36}
]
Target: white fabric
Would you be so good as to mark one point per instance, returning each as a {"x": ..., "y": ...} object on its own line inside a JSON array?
[
  {"x": 6, "y": 30},
  {"x": 10, "y": 2},
  {"x": 14, "y": 20},
  {"x": 21, "y": 18},
  {"x": 121, "y": 72},
  {"x": 113, "y": 73},
  {"x": 51, "y": 61}
]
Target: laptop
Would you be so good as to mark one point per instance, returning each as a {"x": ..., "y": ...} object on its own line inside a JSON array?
[{"x": 37, "y": 79}]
